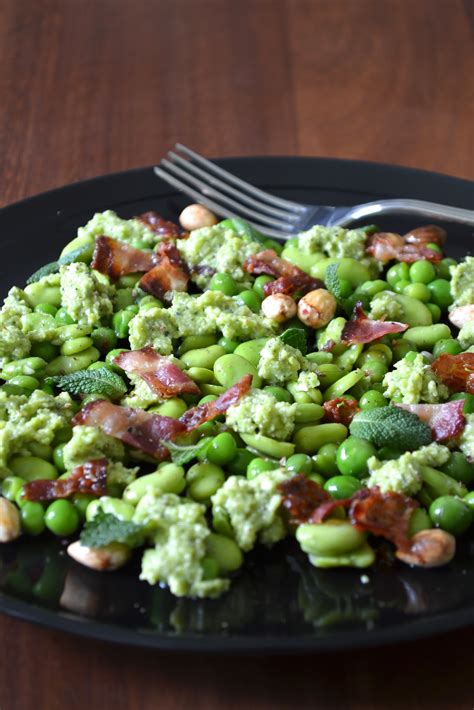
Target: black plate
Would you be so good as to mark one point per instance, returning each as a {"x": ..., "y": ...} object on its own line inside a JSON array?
[{"x": 278, "y": 602}]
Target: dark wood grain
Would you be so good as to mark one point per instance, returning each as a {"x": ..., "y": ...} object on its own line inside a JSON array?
[{"x": 93, "y": 86}]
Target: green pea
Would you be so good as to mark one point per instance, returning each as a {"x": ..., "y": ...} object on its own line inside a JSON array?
[
  {"x": 65, "y": 364},
  {"x": 129, "y": 280},
  {"x": 469, "y": 500},
  {"x": 123, "y": 297},
  {"x": 225, "y": 551},
  {"x": 259, "y": 284},
  {"x": 352, "y": 456},
  {"x": 63, "y": 318},
  {"x": 419, "y": 291},
  {"x": 299, "y": 463},
  {"x": 81, "y": 502},
  {"x": 446, "y": 346},
  {"x": 425, "y": 337},
  {"x": 45, "y": 351},
  {"x": 258, "y": 466},
  {"x": 46, "y": 308},
  {"x": 334, "y": 537},
  {"x": 267, "y": 446},
  {"x": 26, "y": 382},
  {"x": 370, "y": 288},
  {"x": 348, "y": 359},
  {"x": 400, "y": 286},
  {"x": 422, "y": 272},
  {"x": 398, "y": 272},
  {"x": 110, "y": 357},
  {"x": 58, "y": 457},
  {"x": 250, "y": 299},
  {"x": 228, "y": 344},
  {"x": 11, "y": 486},
  {"x": 420, "y": 520},
  {"x": 104, "y": 339},
  {"x": 25, "y": 366},
  {"x": 372, "y": 399},
  {"x": 121, "y": 321},
  {"x": 309, "y": 439},
  {"x": 238, "y": 466},
  {"x": 221, "y": 522},
  {"x": 203, "y": 480},
  {"x": 169, "y": 478},
  {"x": 342, "y": 486},
  {"x": 230, "y": 368},
  {"x": 443, "y": 268},
  {"x": 344, "y": 383},
  {"x": 196, "y": 342},
  {"x": 441, "y": 293},
  {"x": 280, "y": 394},
  {"x": 375, "y": 370},
  {"x": 324, "y": 462},
  {"x": 31, "y": 468},
  {"x": 222, "y": 449},
  {"x": 451, "y": 514},
  {"x": 32, "y": 518},
  {"x": 225, "y": 283},
  {"x": 273, "y": 244},
  {"x": 203, "y": 357},
  {"x": 77, "y": 345},
  {"x": 459, "y": 467},
  {"x": 62, "y": 518},
  {"x": 400, "y": 349}
]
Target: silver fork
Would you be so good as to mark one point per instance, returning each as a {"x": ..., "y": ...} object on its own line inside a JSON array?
[{"x": 229, "y": 196}]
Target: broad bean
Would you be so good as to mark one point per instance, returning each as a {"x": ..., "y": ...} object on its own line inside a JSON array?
[
  {"x": 426, "y": 337},
  {"x": 203, "y": 357},
  {"x": 349, "y": 269},
  {"x": 31, "y": 468},
  {"x": 203, "y": 480},
  {"x": 201, "y": 374},
  {"x": 337, "y": 389},
  {"x": 334, "y": 537},
  {"x": 251, "y": 349},
  {"x": 196, "y": 342},
  {"x": 309, "y": 439},
  {"x": 308, "y": 412},
  {"x": 169, "y": 478},
  {"x": 26, "y": 366},
  {"x": 37, "y": 293},
  {"x": 77, "y": 345},
  {"x": 269, "y": 447},
  {"x": 173, "y": 408},
  {"x": 65, "y": 364},
  {"x": 225, "y": 551},
  {"x": 231, "y": 367},
  {"x": 114, "y": 506}
]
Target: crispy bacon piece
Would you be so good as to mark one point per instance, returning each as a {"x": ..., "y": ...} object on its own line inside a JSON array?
[
  {"x": 445, "y": 420},
  {"x": 159, "y": 225},
  {"x": 364, "y": 330},
  {"x": 204, "y": 412},
  {"x": 116, "y": 258},
  {"x": 169, "y": 274},
  {"x": 90, "y": 477},
  {"x": 385, "y": 246},
  {"x": 289, "y": 277},
  {"x": 455, "y": 371},
  {"x": 301, "y": 497},
  {"x": 340, "y": 410},
  {"x": 145, "y": 430},
  {"x": 160, "y": 374},
  {"x": 384, "y": 514},
  {"x": 428, "y": 234}
]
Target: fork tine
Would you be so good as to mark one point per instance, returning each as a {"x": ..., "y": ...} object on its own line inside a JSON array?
[
  {"x": 251, "y": 189},
  {"x": 217, "y": 209},
  {"x": 189, "y": 166},
  {"x": 221, "y": 198}
]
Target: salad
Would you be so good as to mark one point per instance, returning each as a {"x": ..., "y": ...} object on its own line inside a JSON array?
[{"x": 189, "y": 391}]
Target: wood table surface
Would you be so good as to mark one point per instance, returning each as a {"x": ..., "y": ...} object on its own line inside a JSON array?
[{"x": 94, "y": 86}]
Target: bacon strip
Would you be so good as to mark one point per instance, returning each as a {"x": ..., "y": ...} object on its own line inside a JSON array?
[
  {"x": 289, "y": 277},
  {"x": 301, "y": 497},
  {"x": 161, "y": 375},
  {"x": 385, "y": 246},
  {"x": 384, "y": 514},
  {"x": 340, "y": 410},
  {"x": 455, "y": 371},
  {"x": 116, "y": 258},
  {"x": 146, "y": 431},
  {"x": 159, "y": 225},
  {"x": 364, "y": 330},
  {"x": 90, "y": 477},
  {"x": 169, "y": 274},
  {"x": 445, "y": 420}
]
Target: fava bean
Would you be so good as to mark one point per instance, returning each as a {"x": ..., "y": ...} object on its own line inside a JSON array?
[
  {"x": 62, "y": 317},
  {"x": 173, "y": 408},
  {"x": 203, "y": 357},
  {"x": 11, "y": 486},
  {"x": 26, "y": 382},
  {"x": 203, "y": 480},
  {"x": 169, "y": 478},
  {"x": 426, "y": 337},
  {"x": 69, "y": 332},
  {"x": 65, "y": 364},
  {"x": 225, "y": 551},
  {"x": 329, "y": 374},
  {"x": 196, "y": 342},
  {"x": 121, "y": 321},
  {"x": 309, "y": 439},
  {"x": 77, "y": 242},
  {"x": 31, "y": 468},
  {"x": 201, "y": 374},
  {"x": 42, "y": 451},
  {"x": 294, "y": 255},
  {"x": 337, "y": 389},
  {"x": 77, "y": 345},
  {"x": 308, "y": 412},
  {"x": 38, "y": 293},
  {"x": 312, "y": 396},
  {"x": 251, "y": 349},
  {"x": 334, "y": 537},
  {"x": 211, "y": 389},
  {"x": 280, "y": 394},
  {"x": 269, "y": 447},
  {"x": 25, "y": 366},
  {"x": 420, "y": 520},
  {"x": 113, "y": 506},
  {"x": 45, "y": 351},
  {"x": 46, "y": 308},
  {"x": 320, "y": 358},
  {"x": 347, "y": 359},
  {"x": 349, "y": 269},
  {"x": 230, "y": 368}
]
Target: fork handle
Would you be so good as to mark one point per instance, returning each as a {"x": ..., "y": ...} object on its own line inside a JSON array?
[{"x": 447, "y": 213}]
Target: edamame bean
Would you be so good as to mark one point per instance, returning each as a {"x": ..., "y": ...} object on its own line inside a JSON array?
[
  {"x": 196, "y": 342},
  {"x": 40, "y": 293},
  {"x": 345, "y": 383},
  {"x": 251, "y": 349},
  {"x": 222, "y": 449},
  {"x": 426, "y": 337},
  {"x": 352, "y": 456},
  {"x": 62, "y": 518},
  {"x": 258, "y": 466},
  {"x": 228, "y": 344},
  {"x": 25, "y": 366},
  {"x": 173, "y": 408},
  {"x": 280, "y": 394},
  {"x": 225, "y": 551},
  {"x": 26, "y": 382},
  {"x": 31, "y": 468},
  {"x": 11, "y": 486},
  {"x": 65, "y": 364},
  {"x": 309, "y": 439},
  {"x": 334, "y": 537},
  {"x": 121, "y": 321},
  {"x": 203, "y": 357},
  {"x": 308, "y": 412},
  {"x": 230, "y": 368},
  {"x": 269, "y": 447},
  {"x": 77, "y": 345},
  {"x": 451, "y": 514},
  {"x": 203, "y": 480},
  {"x": 169, "y": 478},
  {"x": 201, "y": 374},
  {"x": 32, "y": 518},
  {"x": 340, "y": 487}
]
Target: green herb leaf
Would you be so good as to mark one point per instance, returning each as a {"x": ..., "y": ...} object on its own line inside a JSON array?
[
  {"x": 184, "y": 454},
  {"x": 391, "y": 426},
  {"x": 100, "y": 381},
  {"x": 332, "y": 282},
  {"x": 83, "y": 253},
  {"x": 296, "y": 337},
  {"x": 245, "y": 230},
  {"x": 105, "y": 528},
  {"x": 370, "y": 229}
]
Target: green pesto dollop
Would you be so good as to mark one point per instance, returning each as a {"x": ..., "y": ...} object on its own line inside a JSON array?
[
  {"x": 466, "y": 335},
  {"x": 413, "y": 381},
  {"x": 466, "y": 441},
  {"x": 155, "y": 326},
  {"x": 125, "y": 230},
  {"x": 404, "y": 475},
  {"x": 280, "y": 363},
  {"x": 179, "y": 530},
  {"x": 13, "y": 343},
  {"x": 141, "y": 395},
  {"x": 259, "y": 412},
  {"x": 334, "y": 242},
  {"x": 462, "y": 282},
  {"x": 216, "y": 249},
  {"x": 385, "y": 305},
  {"x": 86, "y": 298}
]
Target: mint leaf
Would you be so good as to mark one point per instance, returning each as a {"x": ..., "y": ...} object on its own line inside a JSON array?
[
  {"x": 391, "y": 426},
  {"x": 100, "y": 381},
  {"x": 105, "y": 528},
  {"x": 83, "y": 253},
  {"x": 296, "y": 337},
  {"x": 184, "y": 454},
  {"x": 332, "y": 281}
]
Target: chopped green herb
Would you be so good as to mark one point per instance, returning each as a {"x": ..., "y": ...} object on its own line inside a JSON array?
[
  {"x": 296, "y": 337},
  {"x": 391, "y": 426},
  {"x": 100, "y": 381},
  {"x": 184, "y": 454},
  {"x": 105, "y": 528},
  {"x": 332, "y": 282}
]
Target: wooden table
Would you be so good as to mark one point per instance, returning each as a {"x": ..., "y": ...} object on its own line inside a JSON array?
[{"x": 94, "y": 86}]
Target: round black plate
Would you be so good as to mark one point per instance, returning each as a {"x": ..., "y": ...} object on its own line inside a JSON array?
[{"x": 278, "y": 602}]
